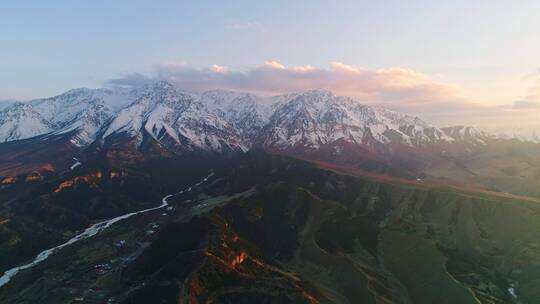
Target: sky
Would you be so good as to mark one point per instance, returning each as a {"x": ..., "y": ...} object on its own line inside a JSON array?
[{"x": 451, "y": 62}]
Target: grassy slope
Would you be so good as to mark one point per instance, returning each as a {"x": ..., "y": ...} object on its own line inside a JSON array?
[{"x": 349, "y": 240}]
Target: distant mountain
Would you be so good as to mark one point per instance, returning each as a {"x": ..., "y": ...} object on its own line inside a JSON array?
[
  {"x": 469, "y": 134},
  {"x": 5, "y": 103},
  {"x": 146, "y": 195},
  {"x": 315, "y": 118},
  {"x": 84, "y": 111},
  {"x": 217, "y": 120},
  {"x": 159, "y": 119},
  {"x": 21, "y": 120},
  {"x": 531, "y": 134}
]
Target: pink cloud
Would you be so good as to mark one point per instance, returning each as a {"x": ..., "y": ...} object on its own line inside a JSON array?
[
  {"x": 274, "y": 78},
  {"x": 218, "y": 68},
  {"x": 396, "y": 88}
]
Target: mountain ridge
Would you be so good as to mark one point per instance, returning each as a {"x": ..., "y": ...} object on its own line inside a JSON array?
[{"x": 219, "y": 120}]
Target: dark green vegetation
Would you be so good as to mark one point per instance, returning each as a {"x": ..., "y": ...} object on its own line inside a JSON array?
[
  {"x": 41, "y": 214},
  {"x": 297, "y": 234},
  {"x": 501, "y": 165}
]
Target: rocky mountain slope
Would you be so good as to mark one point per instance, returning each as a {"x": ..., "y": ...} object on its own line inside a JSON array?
[
  {"x": 265, "y": 228},
  {"x": 217, "y": 120},
  {"x": 159, "y": 120},
  {"x": 272, "y": 229}
]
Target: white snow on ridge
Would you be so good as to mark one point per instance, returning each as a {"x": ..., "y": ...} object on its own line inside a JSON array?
[
  {"x": 531, "y": 134},
  {"x": 20, "y": 120},
  {"x": 318, "y": 117},
  {"x": 220, "y": 120},
  {"x": 5, "y": 103}
]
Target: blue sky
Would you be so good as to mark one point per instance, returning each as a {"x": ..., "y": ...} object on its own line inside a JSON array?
[{"x": 488, "y": 50}]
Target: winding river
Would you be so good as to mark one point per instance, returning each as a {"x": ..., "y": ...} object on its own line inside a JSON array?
[{"x": 91, "y": 231}]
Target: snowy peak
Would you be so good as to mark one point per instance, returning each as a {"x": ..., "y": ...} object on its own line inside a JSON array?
[
  {"x": 65, "y": 108},
  {"x": 220, "y": 120},
  {"x": 5, "y": 103},
  {"x": 479, "y": 136},
  {"x": 468, "y": 134},
  {"x": 163, "y": 92},
  {"x": 246, "y": 112},
  {"x": 529, "y": 134},
  {"x": 176, "y": 119},
  {"x": 318, "y": 117},
  {"x": 83, "y": 111},
  {"x": 20, "y": 120}
]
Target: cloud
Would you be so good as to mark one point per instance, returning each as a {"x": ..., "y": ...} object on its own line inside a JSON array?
[
  {"x": 273, "y": 77},
  {"x": 527, "y": 104},
  {"x": 246, "y": 25},
  {"x": 534, "y": 91},
  {"x": 130, "y": 80},
  {"x": 521, "y": 114},
  {"x": 274, "y": 65},
  {"x": 396, "y": 88},
  {"x": 218, "y": 68},
  {"x": 532, "y": 100}
]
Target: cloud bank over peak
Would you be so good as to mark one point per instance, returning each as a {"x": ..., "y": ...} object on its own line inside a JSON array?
[
  {"x": 396, "y": 88},
  {"x": 532, "y": 100},
  {"x": 273, "y": 77}
]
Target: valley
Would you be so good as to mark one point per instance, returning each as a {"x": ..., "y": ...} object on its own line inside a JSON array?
[
  {"x": 271, "y": 228},
  {"x": 297, "y": 198},
  {"x": 90, "y": 232},
  {"x": 276, "y": 152}
]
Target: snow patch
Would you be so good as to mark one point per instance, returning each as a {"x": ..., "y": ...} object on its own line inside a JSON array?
[{"x": 75, "y": 165}]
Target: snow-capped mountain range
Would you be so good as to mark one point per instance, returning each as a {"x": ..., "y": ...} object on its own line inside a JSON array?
[
  {"x": 526, "y": 134},
  {"x": 219, "y": 120}
]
